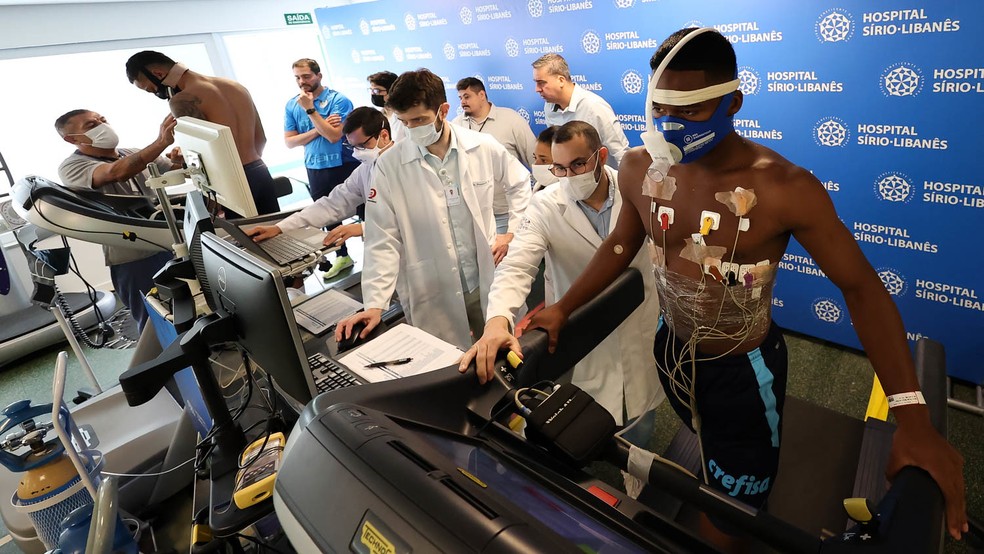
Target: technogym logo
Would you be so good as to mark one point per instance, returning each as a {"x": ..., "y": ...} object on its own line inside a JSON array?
[
  {"x": 632, "y": 82},
  {"x": 590, "y": 42},
  {"x": 748, "y": 81},
  {"x": 893, "y": 280},
  {"x": 835, "y": 25},
  {"x": 449, "y": 50},
  {"x": 827, "y": 310},
  {"x": 901, "y": 79},
  {"x": 397, "y": 54},
  {"x": 535, "y": 7},
  {"x": 410, "y": 21},
  {"x": 512, "y": 47},
  {"x": 466, "y": 15},
  {"x": 894, "y": 187},
  {"x": 524, "y": 113},
  {"x": 831, "y": 131}
]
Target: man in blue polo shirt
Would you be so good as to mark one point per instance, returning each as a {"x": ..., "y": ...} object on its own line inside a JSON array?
[{"x": 313, "y": 119}]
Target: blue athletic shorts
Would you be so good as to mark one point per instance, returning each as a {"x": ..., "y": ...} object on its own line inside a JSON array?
[{"x": 739, "y": 399}]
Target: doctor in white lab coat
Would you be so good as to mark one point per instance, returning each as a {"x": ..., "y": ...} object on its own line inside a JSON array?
[
  {"x": 567, "y": 223},
  {"x": 367, "y": 133},
  {"x": 430, "y": 227}
]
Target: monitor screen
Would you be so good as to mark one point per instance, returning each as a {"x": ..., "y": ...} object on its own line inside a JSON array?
[
  {"x": 209, "y": 151},
  {"x": 568, "y": 521},
  {"x": 253, "y": 292}
]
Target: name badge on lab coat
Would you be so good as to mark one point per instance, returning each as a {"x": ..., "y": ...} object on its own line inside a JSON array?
[{"x": 452, "y": 194}]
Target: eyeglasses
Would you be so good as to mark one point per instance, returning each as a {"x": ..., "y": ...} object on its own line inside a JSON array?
[
  {"x": 361, "y": 145},
  {"x": 576, "y": 168},
  {"x": 375, "y": 90}
]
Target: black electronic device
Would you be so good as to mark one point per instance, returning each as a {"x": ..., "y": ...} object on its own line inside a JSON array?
[
  {"x": 355, "y": 339},
  {"x": 253, "y": 293}
]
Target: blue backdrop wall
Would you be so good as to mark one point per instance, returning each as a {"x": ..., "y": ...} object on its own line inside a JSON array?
[{"x": 881, "y": 100}]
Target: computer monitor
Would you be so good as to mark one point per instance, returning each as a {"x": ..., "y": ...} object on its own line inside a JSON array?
[
  {"x": 210, "y": 153},
  {"x": 197, "y": 221},
  {"x": 253, "y": 292}
]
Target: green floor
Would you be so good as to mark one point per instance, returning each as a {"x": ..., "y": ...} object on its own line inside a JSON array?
[{"x": 822, "y": 373}]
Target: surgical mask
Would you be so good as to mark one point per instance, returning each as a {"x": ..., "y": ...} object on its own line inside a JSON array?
[
  {"x": 425, "y": 135},
  {"x": 671, "y": 140},
  {"x": 366, "y": 155},
  {"x": 579, "y": 187},
  {"x": 103, "y": 136},
  {"x": 378, "y": 100},
  {"x": 541, "y": 172}
]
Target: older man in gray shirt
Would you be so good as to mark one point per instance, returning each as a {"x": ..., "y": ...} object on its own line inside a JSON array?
[
  {"x": 505, "y": 125},
  {"x": 99, "y": 164}
]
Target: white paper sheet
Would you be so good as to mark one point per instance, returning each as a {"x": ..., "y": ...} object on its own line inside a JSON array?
[{"x": 403, "y": 341}]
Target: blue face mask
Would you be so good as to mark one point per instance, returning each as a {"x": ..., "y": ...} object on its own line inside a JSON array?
[{"x": 689, "y": 140}]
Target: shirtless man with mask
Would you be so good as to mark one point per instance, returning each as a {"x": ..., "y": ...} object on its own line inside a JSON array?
[
  {"x": 213, "y": 99},
  {"x": 718, "y": 211}
]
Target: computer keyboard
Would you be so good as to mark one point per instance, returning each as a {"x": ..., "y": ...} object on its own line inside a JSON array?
[
  {"x": 328, "y": 375},
  {"x": 286, "y": 249}
]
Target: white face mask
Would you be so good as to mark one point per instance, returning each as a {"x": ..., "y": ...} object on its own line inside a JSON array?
[
  {"x": 103, "y": 136},
  {"x": 425, "y": 135},
  {"x": 541, "y": 172},
  {"x": 366, "y": 155},
  {"x": 579, "y": 187}
]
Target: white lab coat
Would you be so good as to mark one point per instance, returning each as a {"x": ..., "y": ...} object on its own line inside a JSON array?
[
  {"x": 408, "y": 242},
  {"x": 341, "y": 202},
  {"x": 622, "y": 367}
]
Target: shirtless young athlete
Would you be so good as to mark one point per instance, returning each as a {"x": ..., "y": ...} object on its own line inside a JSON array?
[
  {"x": 722, "y": 359},
  {"x": 213, "y": 99}
]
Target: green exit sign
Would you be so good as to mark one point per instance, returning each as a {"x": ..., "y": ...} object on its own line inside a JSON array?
[{"x": 298, "y": 18}]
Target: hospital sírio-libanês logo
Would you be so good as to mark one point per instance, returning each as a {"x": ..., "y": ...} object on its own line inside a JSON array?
[
  {"x": 828, "y": 310},
  {"x": 326, "y": 31},
  {"x": 356, "y": 57},
  {"x": 525, "y": 114},
  {"x": 749, "y": 82},
  {"x": 895, "y": 283},
  {"x": 535, "y": 7},
  {"x": 590, "y": 42},
  {"x": 835, "y": 25},
  {"x": 894, "y": 186},
  {"x": 692, "y": 24},
  {"x": 901, "y": 79},
  {"x": 831, "y": 131},
  {"x": 512, "y": 47},
  {"x": 465, "y": 14},
  {"x": 397, "y": 54},
  {"x": 632, "y": 82},
  {"x": 480, "y": 77},
  {"x": 459, "y": 111},
  {"x": 364, "y": 27},
  {"x": 410, "y": 21},
  {"x": 622, "y": 4},
  {"x": 449, "y": 52}
]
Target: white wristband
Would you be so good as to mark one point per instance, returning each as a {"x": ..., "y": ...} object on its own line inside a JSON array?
[{"x": 906, "y": 398}]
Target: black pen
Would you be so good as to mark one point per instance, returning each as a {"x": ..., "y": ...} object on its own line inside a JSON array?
[{"x": 401, "y": 361}]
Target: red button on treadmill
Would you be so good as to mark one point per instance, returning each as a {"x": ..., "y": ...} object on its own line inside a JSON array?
[{"x": 607, "y": 498}]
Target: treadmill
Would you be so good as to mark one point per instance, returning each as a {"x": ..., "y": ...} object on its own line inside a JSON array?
[
  {"x": 24, "y": 327},
  {"x": 426, "y": 464}
]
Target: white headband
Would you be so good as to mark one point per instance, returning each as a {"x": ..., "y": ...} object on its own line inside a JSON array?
[{"x": 689, "y": 97}]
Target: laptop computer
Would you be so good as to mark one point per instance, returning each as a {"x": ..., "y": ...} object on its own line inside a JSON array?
[{"x": 293, "y": 249}]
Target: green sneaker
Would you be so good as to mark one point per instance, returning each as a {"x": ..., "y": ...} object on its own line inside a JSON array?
[{"x": 340, "y": 264}]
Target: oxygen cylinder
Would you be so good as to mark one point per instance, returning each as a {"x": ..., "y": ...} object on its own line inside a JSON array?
[{"x": 50, "y": 487}]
